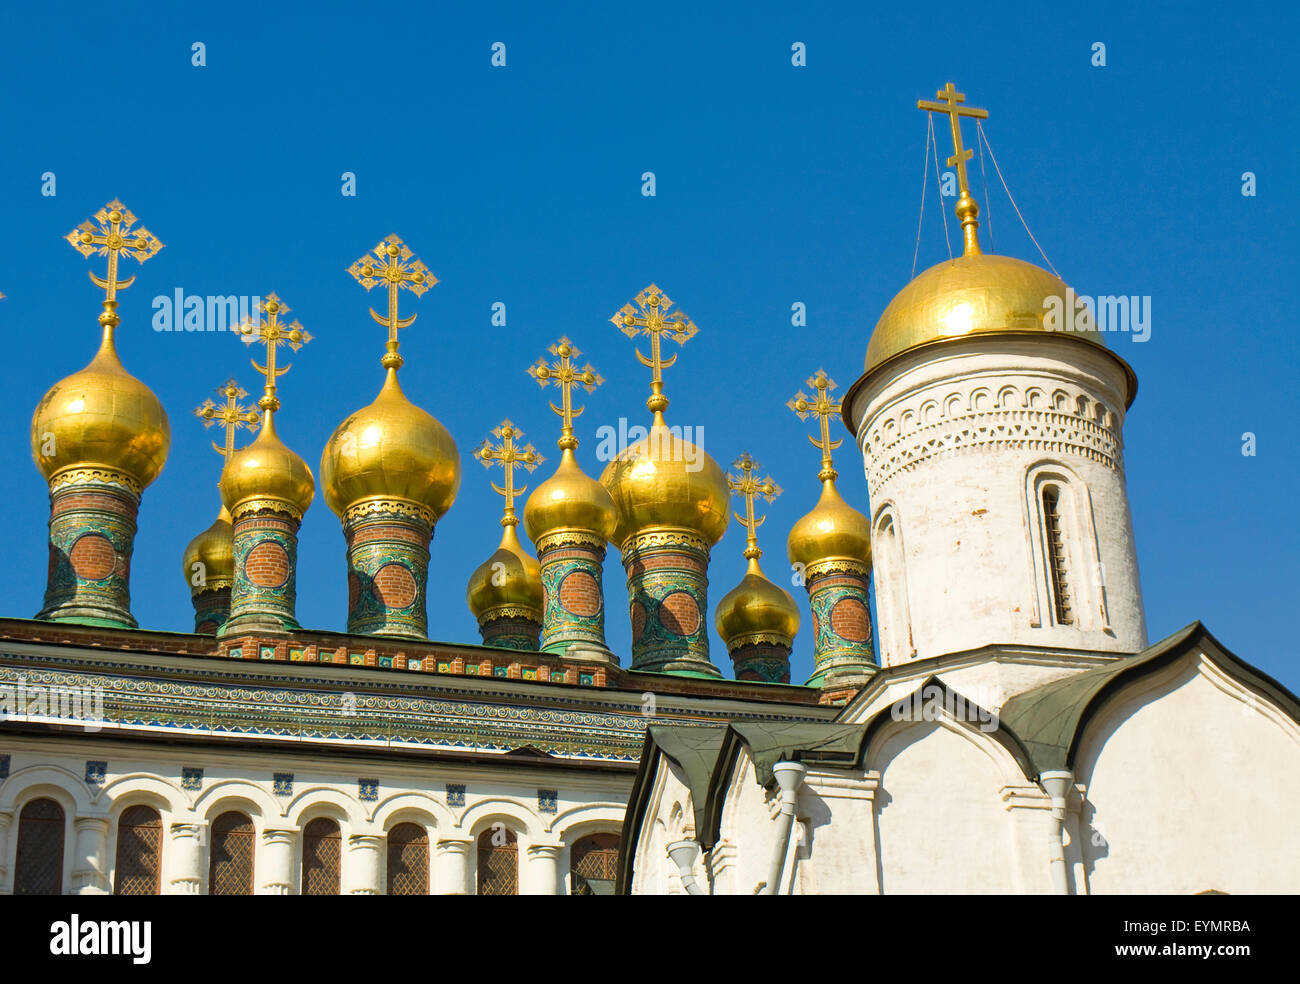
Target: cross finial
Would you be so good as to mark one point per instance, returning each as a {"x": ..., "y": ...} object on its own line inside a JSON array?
[
  {"x": 748, "y": 485},
  {"x": 823, "y": 406},
  {"x": 655, "y": 321},
  {"x": 393, "y": 264},
  {"x": 564, "y": 374},
  {"x": 967, "y": 210},
  {"x": 109, "y": 233},
  {"x": 272, "y": 334},
  {"x": 509, "y": 455},
  {"x": 232, "y": 416}
]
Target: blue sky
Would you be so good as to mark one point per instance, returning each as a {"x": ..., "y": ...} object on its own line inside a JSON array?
[{"x": 775, "y": 184}]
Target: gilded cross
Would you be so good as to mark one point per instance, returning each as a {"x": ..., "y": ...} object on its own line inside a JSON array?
[
  {"x": 823, "y": 406},
  {"x": 950, "y": 105},
  {"x": 109, "y": 233},
  {"x": 653, "y": 320},
  {"x": 272, "y": 334},
  {"x": 393, "y": 263},
  {"x": 232, "y": 416},
  {"x": 565, "y": 374},
  {"x": 509, "y": 455},
  {"x": 748, "y": 485}
]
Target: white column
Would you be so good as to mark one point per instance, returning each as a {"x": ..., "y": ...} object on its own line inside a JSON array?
[
  {"x": 363, "y": 868},
  {"x": 544, "y": 869},
  {"x": 453, "y": 867},
  {"x": 187, "y": 859},
  {"x": 6, "y": 821},
  {"x": 277, "y": 861},
  {"x": 90, "y": 871}
]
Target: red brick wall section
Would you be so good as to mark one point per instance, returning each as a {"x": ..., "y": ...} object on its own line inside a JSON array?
[
  {"x": 395, "y": 586},
  {"x": 92, "y": 557},
  {"x": 680, "y": 613},
  {"x": 580, "y": 594},
  {"x": 850, "y": 620},
  {"x": 267, "y": 565}
]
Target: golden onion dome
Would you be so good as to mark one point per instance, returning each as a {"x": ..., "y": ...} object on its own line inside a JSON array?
[
  {"x": 756, "y": 610},
  {"x": 101, "y": 417},
  {"x": 569, "y": 499},
  {"x": 391, "y": 449},
  {"x": 978, "y": 294},
  {"x": 832, "y": 530},
  {"x": 663, "y": 480},
  {"x": 266, "y": 469},
  {"x": 509, "y": 579},
  {"x": 214, "y": 548}
]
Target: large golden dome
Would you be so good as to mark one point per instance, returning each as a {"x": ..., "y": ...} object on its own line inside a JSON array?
[
  {"x": 663, "y": 480},
  {"x": 569, "y": 499},
  {"x": 214, "y": 548},
  {"x": 101, "y": 417},
  {"x": 510, "y": 580},
  {"x": 266, "y": 469},
  {"x": 756, "y": 611},
  {"x": 832, "y": 530},
  {"x": 391, "y": 449}
]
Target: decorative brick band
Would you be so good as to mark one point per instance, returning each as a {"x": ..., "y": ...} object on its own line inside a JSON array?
[
  {"x": 510, "y": 628},
  {"x": 263, "y": 595},
  {"x": 667, "y": 588},
  {"x": 765, "y": 661},
  {"x": 92, "y": 532},
  {"x": 573, "y": 610},
  {"x": 388, "y": 569},
  {"x": 211, "y": 609},
  {"x": 841, "y": 625}
]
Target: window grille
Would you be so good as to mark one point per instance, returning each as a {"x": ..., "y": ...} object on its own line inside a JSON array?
[{"x": 139, "y": 852}]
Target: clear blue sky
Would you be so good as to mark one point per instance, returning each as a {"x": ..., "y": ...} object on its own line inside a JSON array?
[{"x": 775, "y": 184}]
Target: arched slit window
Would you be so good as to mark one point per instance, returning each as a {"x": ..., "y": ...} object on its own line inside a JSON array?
[
  {"x": 139, "y": 852},
  {"x": 408, "y": 860},
  {"x": 230, "y": 871},
  {"x": 1057, "y": 559},
  {"x": 498, "y": 861},
  {"x": 593, "y": 865},
  {"x": 322, "y": 848},
  {"x": 38, "y": 865}
]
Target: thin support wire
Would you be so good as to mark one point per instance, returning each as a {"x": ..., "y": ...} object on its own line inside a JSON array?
[
  {"x": 994, "y": 159},
  {"x": 988, "y": 212},
  {"x": 925, "y": 178},
  {"x": 939, "y": 181}
]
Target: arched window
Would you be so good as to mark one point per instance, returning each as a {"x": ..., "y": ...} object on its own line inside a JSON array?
[
  {"x": 498, "y": 861},
  {"x": 593, "y": 865},
  {"x": 322, "y": 847},
  {"x": 139, "y": 852},
  {"x": 38, "y": 867},
  {"x": 231, "y": 868},
  {"x": 408, "y": 860},
  {"x": 1057, "y": 556},
  {"x": 890, "y": 579}
]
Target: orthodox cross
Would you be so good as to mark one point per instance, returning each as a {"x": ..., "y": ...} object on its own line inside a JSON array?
[
  {"x": 394, "y": 264},
  {"x": 272, "y": 334},
  {"x": 950, "y": 104},
  {"x": 823, "y": 406},
  {"x": 233, "y": 416},
  {"x": 655, "y": 322},
  {"x": 110, "y": 234},
  {"x": 508, "y": 455},
  {"x": 748, "y": 485},
  {"x": 564, "y": 374}
]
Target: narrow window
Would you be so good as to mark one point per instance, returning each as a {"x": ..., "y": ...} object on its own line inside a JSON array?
[
  {"x": 230, "y": 870},
  {"x": 322, "y": 848},
  {"x": 38, "y": 867},
  {"x": 139, "y": 852},
  {"x": 1056, "y": 562},
  {"x": 498, "y": 862},
  {"x": 593, "y": 864},
  {"x": 408, "y": 860}
]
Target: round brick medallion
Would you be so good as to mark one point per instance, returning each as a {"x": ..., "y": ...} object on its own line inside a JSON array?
[
  {"x": 580, "y": 594},
  {"x": 394, "y": 586},
  {"x": 92, "y": 557},
  {"x": 850, "y": 620},
  {"x": 638, "y": 620},
  {"x": 679, "y": 613},
  {"x": 267, "y": 565}
]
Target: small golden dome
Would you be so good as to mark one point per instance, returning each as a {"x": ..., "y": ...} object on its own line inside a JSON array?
[
  {"x": 101, "y": 417},
  {"x": 569, "y": 499},
  {"x": 391, "y": 449},
  {"x": 214, "y": 548},
  {"x": 976, "y": 294},
  {"x": 509, "y": 579},
  {"x": 663, "y": 480},
  {"x": 756, "y": 610},
  {"x": 266, "y": 469},
  {"x": 833, "y": 529}
]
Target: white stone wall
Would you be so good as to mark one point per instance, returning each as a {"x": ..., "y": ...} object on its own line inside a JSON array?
[
  {"x": 957, "y": 444},
  {"x": 235, "y": 780}
]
